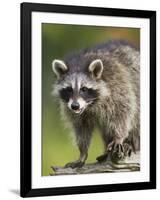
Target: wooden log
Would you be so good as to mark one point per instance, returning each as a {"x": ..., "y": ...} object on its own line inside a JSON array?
[{"x": 128, "y": 165}]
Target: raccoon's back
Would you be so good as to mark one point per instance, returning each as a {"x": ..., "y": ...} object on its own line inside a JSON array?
[
  {"x": 115, "y": 51},
  {"x": 121, "y": 62},
  {"x": 109, "y": 52}
]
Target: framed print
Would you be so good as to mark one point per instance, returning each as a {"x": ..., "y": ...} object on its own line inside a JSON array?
[{"x": 88, "y": 99}]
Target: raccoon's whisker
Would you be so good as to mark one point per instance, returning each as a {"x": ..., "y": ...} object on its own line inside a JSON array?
[{"x": 90, "y": 101}]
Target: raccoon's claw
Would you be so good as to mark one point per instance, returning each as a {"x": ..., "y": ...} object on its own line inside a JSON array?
[
  {"x": 127, "y": 149},
  {"x": 102, "y": 158},
  {"x": 76, "y": 164}
]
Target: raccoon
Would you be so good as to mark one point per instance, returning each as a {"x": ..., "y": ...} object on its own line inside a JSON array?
[{"x": 99, "y": 87}]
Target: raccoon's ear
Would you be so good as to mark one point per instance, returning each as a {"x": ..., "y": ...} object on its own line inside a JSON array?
[
  {"x": 59, "y": 67},
  {"x": 96, "y": 68}
]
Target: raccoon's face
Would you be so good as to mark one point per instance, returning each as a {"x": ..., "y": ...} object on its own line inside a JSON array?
[{"x": 78, "y": 90}]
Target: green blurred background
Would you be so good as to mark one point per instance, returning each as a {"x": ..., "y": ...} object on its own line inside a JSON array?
[{"x": 57, "y": 40}]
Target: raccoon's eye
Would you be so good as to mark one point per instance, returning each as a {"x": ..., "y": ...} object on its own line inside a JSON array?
[
  {"x": 69, "y": 89},
  {"x": 84, "y": 89}
]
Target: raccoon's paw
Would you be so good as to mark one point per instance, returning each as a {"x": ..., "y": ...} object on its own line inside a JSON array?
[
  {"x": 75, "y": 164},
  {"x": 117, "y": 151},
  {"x": 102, "y": 158}
]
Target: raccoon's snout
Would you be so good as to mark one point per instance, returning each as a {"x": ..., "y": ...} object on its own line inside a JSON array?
[{"x": 75, "y": 106}]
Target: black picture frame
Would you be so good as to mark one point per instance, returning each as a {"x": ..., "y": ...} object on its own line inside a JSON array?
[{"x": 26, "y": 104}]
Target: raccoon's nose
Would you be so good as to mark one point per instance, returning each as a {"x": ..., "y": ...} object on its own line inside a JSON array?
[{"x": 75, "y": 105}]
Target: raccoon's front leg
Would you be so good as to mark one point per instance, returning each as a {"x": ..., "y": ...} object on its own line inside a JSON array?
[
  {"x": 83, "y": 137},
  {"x": 107, "y": 137},
  {"x": 116, "y": 145}
]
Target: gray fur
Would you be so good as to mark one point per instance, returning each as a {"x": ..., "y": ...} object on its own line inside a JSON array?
[{"x": 116, "y": 110}]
